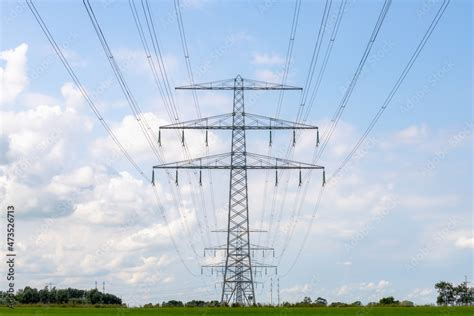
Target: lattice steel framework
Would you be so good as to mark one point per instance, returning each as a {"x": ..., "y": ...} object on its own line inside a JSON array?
[{"x": 238, "y": 267}]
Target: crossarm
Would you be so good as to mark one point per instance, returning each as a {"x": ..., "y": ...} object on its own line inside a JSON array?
[
  {"x": 229, "y": 84},
  {"x": 222, "y": 161},
  {"x": 252, "y": 122}
]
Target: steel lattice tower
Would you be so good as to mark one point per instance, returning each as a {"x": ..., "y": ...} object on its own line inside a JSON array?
[
  {"x": 238, "y": 268},
  {"x": 238, "y": 276}
]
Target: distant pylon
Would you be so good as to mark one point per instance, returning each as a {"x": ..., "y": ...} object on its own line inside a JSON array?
[
  {"x": 271, "y": 291},
  {"x": 278, "y": 291}
]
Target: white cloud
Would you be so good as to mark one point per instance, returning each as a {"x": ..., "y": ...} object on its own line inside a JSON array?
[
  {"x": 421, "y": 295},
  {"x": 106, "y": 199},
  {"x": 267, "y": 59},
  {"x": 149, "y": 270},
  {"x": 411, "y": 135},
  {"x": 378, "y": 287},
  {"x": 462, "y": 238},
  {"x": 364, "y": 290},
  {"x": 33, "y": 201},
  {"x": 345, "y": 263},
  {"x": 74, "y": 58},
  {"x": 343, "y": 290},
  {"x": 13, "y": 77},
  {"x": 420, "y": 292},
  {"x": 41, "y": 131},
  {"x": 67, "y": 183},
  {"x": 73, "y": 97},
  {"x": 129, "y": 133},
  {"x": 298, "y": 289},
  {"x": 268, "y": 75},
  {"x": 33, "y": 99},
  {"x": 420, "y": 201},
  {"x": 465, "y": 242}
]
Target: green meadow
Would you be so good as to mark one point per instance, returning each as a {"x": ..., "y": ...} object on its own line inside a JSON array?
[{"x": 347, "y": 311}]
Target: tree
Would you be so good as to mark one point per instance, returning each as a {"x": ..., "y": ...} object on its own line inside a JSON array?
[
  {"x": 44, "y": 295},
  {"x": 463, "y": 295},
  {"x": 214, "y": 303},
  {"x": 388, "y": 301},
  {"x": 28, "y": 296},
  {"x": 173, "y": 303},
  {"x": 94, "y": 297},
  {"x": 321, "y": 301},
  {"x": 53, "y": 295},
  {"x": 196, "y": 303},
  {"x": 445, "y": 293},
  {"x": 47, "y": 295},
  {"x": 62, "y": 296},
  {"x": 307, "y": 300}
]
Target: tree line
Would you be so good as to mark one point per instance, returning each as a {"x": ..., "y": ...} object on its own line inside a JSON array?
[
  {"x": 450, "y": 295},
  {"x": 322, "y": 302},
  {"x": 69, "y": 296},
  {"x": 306, "y": 302}
]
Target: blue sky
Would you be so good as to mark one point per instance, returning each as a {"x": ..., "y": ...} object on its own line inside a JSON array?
[{"x": 419, "y": 158}]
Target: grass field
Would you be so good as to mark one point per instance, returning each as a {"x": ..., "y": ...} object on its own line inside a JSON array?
[{"x": 374, "y": 311}]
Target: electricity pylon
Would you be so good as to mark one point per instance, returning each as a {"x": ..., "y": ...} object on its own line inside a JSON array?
[{"x": 238, "y": 267}]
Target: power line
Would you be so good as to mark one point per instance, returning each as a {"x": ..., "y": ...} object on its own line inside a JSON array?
[
  {"x": 309, "y": 78},
  {"x": 169, "y": 92},
  {"x": 286, "y": 68},
  {"x": 315, "y": 56},
  {"x": 337, "y": 115},
  {"x": 311, "y": 70},
  {"x": 377, "y": 116},
  {"x": 184, "y": 44},
  {"x": 327, "y": 54},
  {"x": 289, "y": 54},
  {"x": 91, "y": 104},
  {"x": 395, "y": 88},
  {"x": 164, "y": 91},
  {"x": 317, "y": 153},
  {"x": 189, "y": 70},
  {"x": 81, "y": 88},
  {"x": 136, "y": 110},
  {"x": 153, "y": 34}
]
